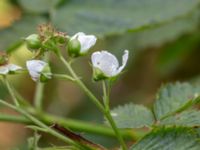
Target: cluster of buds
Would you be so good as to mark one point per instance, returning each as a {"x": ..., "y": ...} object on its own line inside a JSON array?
[{"x": 105, "y": 65}]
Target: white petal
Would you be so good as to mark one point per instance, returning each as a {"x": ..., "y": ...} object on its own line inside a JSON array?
[
  {"x": 124, "y": 61},
  {"x": 77, "y": 34},
  {"x": 35, "y": 67},
  {"x": 3, "y": 70},
  {"x": 106, "y": 62},
  {"x": 86, "y": 41},
  {"x": 13, "y": 67}
]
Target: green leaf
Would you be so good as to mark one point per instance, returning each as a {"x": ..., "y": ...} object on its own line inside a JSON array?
[
  {"x": 12, "y": 37},
  {"x": 173, "y": 98},
  {"x": 113, "y": 16},
  {"x": 169, "y": 139},
  {"x": 132, "y": 116},
  {"x": 190, "y": 118},
  {"x": 167, "y": 32}
]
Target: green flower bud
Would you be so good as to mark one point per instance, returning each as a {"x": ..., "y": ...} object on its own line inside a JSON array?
[
  {"x": 33, "y": 42},
  {"x": 74, "y": 47}
]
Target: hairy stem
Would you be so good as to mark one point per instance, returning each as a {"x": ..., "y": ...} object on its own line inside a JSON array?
[
  {"x": 109, "y": 117},
  {"x": 81, "y": 85}
]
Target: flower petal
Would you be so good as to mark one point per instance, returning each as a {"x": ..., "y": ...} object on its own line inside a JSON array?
[
  {"x": 86, "y": 41},
  {"x": 35, "y": 67},
  {"x": 124, "y": 61},
  {"x": 13, "y": 67},
  {"x": 3, "y": 70},
  {"x": 106, "y": 62}
]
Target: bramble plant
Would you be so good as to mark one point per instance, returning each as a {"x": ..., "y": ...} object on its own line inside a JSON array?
[{"x": 171, "y": 124}]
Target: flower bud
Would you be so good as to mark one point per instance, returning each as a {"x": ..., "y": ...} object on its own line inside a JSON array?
[
  {"x": 80, "y": 43},
  {"x": 74, "y": 48},
  {"x": 33, "y": 42}
]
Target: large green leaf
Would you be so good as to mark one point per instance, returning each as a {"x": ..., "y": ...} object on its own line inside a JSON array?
[
  {"x": 174, "y": 97},
  {"x": 169, "y": 139},
  {"x": 167, "y": 32},
  {"x": 114, "y": 16},
  {"x": 158, "y": 36},
  {"x": 190, "y": 118},
  {"x": 132, "y": 116},
  {"x": 13, "y": 35}
]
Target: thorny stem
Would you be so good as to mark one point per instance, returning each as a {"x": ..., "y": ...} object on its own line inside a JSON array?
[{"x": 95, "y": 100}]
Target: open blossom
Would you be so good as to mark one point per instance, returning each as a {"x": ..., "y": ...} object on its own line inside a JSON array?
[
  {"x": 7, "y": 68},
  {"x": 38, "y": 69},
  {"x": 106, "y": 64},
  {"x": 80, "y": 43}
]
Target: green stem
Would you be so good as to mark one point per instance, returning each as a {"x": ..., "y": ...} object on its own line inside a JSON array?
[
  {"x": 109, "y": 117},
  {"x": 63, "y": 76},
  {"x": 105, "y": 96},
  {"x": 40, "y": 124},
  {"x": 11, "y": 91},
  {"x": 38, "y": 97},
  {"x": 95, "y": 100},
  {"x": 75, "y": 125},
  {"x": 14, "y": 119},
  {"x": 88, "y": 127},
  {"x": 81, "y": 85}
]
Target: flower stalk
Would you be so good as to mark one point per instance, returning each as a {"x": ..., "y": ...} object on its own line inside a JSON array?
[{"x": 103, "y": 109}]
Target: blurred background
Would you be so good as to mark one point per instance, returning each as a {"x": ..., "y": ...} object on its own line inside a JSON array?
[{"x": 163, "y": 38}]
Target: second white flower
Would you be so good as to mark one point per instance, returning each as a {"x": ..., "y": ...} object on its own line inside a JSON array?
[{"x": 106, "y": 64}]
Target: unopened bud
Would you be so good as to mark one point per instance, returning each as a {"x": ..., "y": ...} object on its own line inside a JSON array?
[{"x": 33, "y": 42}]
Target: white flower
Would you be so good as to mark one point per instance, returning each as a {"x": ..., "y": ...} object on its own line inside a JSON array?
[
  {"x": 37, "y": 68},
  {"x": 5, "y": 69},
  {"x": 107, "y": 64},
  {"x": 86, "y": 41}
]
